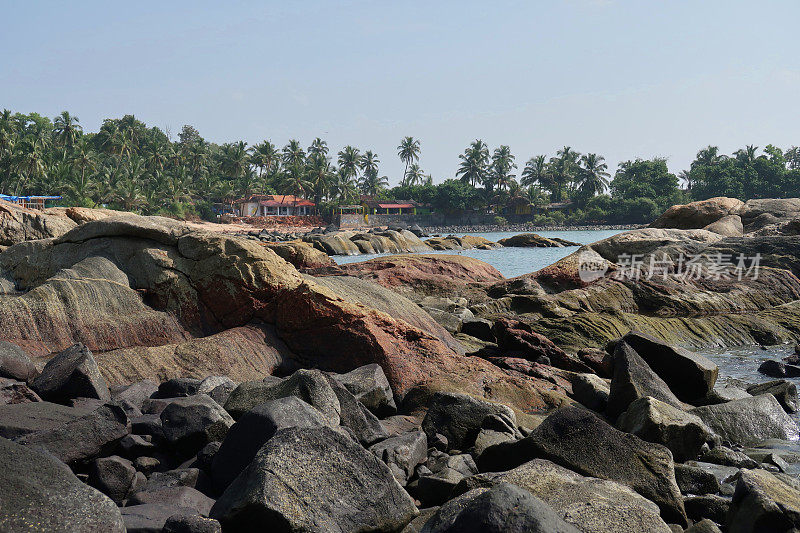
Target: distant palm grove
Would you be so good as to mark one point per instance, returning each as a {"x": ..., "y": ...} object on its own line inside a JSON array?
[{"x": 129, "y": 166}]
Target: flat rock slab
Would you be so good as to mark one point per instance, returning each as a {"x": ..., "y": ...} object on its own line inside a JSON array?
[{"x": 750, "y": 420}]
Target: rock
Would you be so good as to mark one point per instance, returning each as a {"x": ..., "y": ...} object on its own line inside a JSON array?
[
  {"x": 133, "y": 446},
  {"x": 707, "y": 508},
  {"x": 588, "y": 503},
  {"x": 15, "y": 363},
  {"x": 178, "y": 388},
  {"x": 255, "y": 428},
  {"x": 501, "y": 509},
  {"x": 219, "y": 388},
  {"x": 13, "y": 392},
  {"x": 370, "y": 386},
  {"x": 146, "y": 464},
  {"x": 695, "y": 480},
  {"x": 532, "y": 240},
  {"x": 447, "y": 471},
  {"x": 290, "y": 473},
  {"x": 762, "y": 502},
  {"x": 704, "y": 526},
  {"x": 355, "y": 418},
  {"x": 698, "y": 214},
  {"x": 84, "y": 437},
  {"x": 180, "y": 477},
  {"x": 777, "y": 369},
  {"x": 645, "y": 241},
  {"x": 402, "y": 453},
  {"x": 71, "y": 374},
  {"x": 22, "y": 418},
  {"x": 191, "y": 422},
  {"x": 591, "y": 391},
  {"x": 600, "y": 361},
  {"x": 518, "y": 337},
  {"x": 311, "y": 386},
  {"x": 458, "y": 417},
  {"x": 781, "y": 209},
  {"x": 132, "y": 397},
  {"x": 19, "y": 224},
  {"x": 655, "y": 421},
  {"x": 187, "y": 523},
  {"x": 205, "y": 457},
  {"x": 178, "y": 496},
  {"x": 39, "y": 492},
  {"x": 720, "y": 455},
  {"x": 725, "y": 394},
  {"x": 495, "y": 429},
  {"x": 301, "y": 255},
  {"x": 749, "y": 420},
  {"x": 634, "y": 379},
  {"x": 149, "y": 517},
  {"x": 565, "y": 436},
  {"x": 113, "y": 476},
  {"x": 479, "y": 328},
  {"x": 784, "y": 391},
  {"x": 726, "y": 475},
  {"x": 727, "y": 226},
  {"x": 688, "y": 375}
]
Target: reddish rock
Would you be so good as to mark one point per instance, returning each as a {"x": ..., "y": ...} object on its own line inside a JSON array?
[
  {"x": 600, "y": 361},
  {"x": 698, "y": 215},
  {"x": 301, "y": 255},
  {"x": 516, "y": 337}
]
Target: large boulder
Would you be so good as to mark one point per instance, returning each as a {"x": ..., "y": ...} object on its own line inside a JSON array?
[
  {"x": 39, "y": 493},
  {"x": 314, "y": 479},
  {"x": 459, "y": 417},
  {"x": 402, "y": 453},
  {"x": 762, "y": 502},
  {"x": 698, "y": 214},
  {"x": 18, "y": 224},
  {"x": 192, "y": 422},
  {"x": 370, "y": 387},
  {"x": 301, "y": 255},
  {"x": 689, "y": 376},
  {"x": 784, "y": 391},
  {"x": 15, "y": 363},
  {"x": 256, "y": 427},
  {"x": 591, "y": 504},
  {"x": 518, "y": 338},
  {"x": 644, "y": 241},
  {"x": 17, "y": 419},
  {"x": 683, "y": 433},
  {"x": 71, "y": 374},
  {"x": 532, "y": 240},
  {"x": 749, "y": 421},
  {"x": 634, "y": 379},
  {"x": 727, "y": 226},
  {"x": 12, "y": 391},
  {"x": 577, "y": 439},
  {"x": 758, "y": 212},
  {"x": 355, "y": 417},
  {"x": 504, "y": 508},
  {"x": 113, "y": 476}
]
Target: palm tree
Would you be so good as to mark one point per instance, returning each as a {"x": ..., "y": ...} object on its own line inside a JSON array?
[
  {"x": 369, "y": 163},
  {"x": 66, "y": 129},
  {"x": 746, "y": 155},
  {"x": 371, "y": 185},
  {"x": 414, "y": 175},
  {"x": 319, "y": 175},
  {"x": 349, "y": 161},
  {"x": 294, "y": 181},
  {"x": 707, "y": 156},
  {"x": 592, "y": 175},
  {"x": 536, "y": 172},
  {"x": 474, "y": 163},
  {"x": 408, "y": 150},
  {"x": 501, "y": 167},
  {"x": 318, "y": 147},
  {"x": 293, "y": 154},
  {"x": 564, "y": 167},
  {"x": 344, "y": 187},
  {"x": 234, "y": 159}
]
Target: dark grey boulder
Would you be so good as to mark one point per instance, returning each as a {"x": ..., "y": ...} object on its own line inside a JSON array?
[
  {"x": 186, "y": 523},
  {"x": 726, "y": 475},
  {"x": 443, "y": 472},
  {"x": 480, "y": 328},
  {"x": 23, "y": 418},
  {"x": 579, "y": 440},
  {"x": 180, "y": 477},
  {"x": 314, "y": 479},
  {"x": 255, "y": 428},
  {"x": 83, "y": 438},
  {"x": 132, "y": 397},
  {"x": 205, "y": 457},
  {"x": 784, "y": 391},
  {"x": 763, "y": 502},
  {"x": 703, "y": 526},
  {"x": 177, "y": 388},
  {"x": 15, "y": 363},
  {"x": 355, "y": 417},
  {"x": 634, "y": 379},
  {"x": 689, "y": 376},
  {"x": 683, "y": 433},
  {"x": 495, "y": 429},
  {"x": 311, "y": 386},
  {"x": 725, "y": 394},
  {"x": 402, "y": 453},
  {"x": 721, "y": 455},
  {"x": 13, "y": 391},
  {"x": 707, "y": 507},
  {"x": 133, "y": 446},
  {"x": 504, "y": 508},
  {"x": 146, "y": 464},
  {"x": 591, "y": 391},
  {"x": 72, "y": 373},
  {"x": 192, "y": 422},
  {"x": 150, "y": 517},
  {"x": 38, "y": 492},
  {"x": 459, "y": 417},
  {"x": 218, "y": 387},
  {"x": 695, "y": 480},
  {"x": 147, "y": 424},
  {"x": 177, "y": 496},
  {"x": 750, "y": 420},
  {"x": 113, "y": 476},
  {"x": 777, "y": 369},
  {"x": 369, "y": 385}
]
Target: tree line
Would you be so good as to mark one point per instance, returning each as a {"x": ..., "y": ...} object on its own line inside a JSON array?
[{"x": 131, "y": 166}]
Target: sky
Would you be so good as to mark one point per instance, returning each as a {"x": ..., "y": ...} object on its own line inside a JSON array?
[{"x": 623, "y": 79}]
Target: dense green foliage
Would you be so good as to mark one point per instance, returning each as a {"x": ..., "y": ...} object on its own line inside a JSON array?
[{"x": 130, "y": 166}]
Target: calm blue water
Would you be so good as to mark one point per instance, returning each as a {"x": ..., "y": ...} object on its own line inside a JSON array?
[{"x": 512, "y": 262}]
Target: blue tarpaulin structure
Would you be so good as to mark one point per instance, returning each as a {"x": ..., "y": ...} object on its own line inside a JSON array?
[{"x": 36, "y": 202}]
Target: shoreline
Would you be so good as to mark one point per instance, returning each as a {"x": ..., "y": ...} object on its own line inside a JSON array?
[{"x": 525, "y": 228}]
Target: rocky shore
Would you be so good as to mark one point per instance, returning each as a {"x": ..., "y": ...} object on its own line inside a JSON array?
[
  {"x": 524, "y": 228},
  {"x": 158, "y": 378}
]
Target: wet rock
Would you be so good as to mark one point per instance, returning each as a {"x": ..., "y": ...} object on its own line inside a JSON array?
[
  {"x": 762, "y": 502},
  {"x": 149, "y": 517},
  {"x": 402, "y": 453},
  {"x": 255, "y": 428},
  {"x": 784, "y": 391},
  {"x": 191, "y": 422},
  {"x": 777, "y": 369},
  {"x": 634, "y": 379},
  {"x": 188, "y": 523},
  {"x": 688, "y": 375},
  {"x": 82, "y": 438},
  {"x": 369, "y": 385},
  {"x": 15, "y": 363},
  {"x": 591, "y": 391},
  {"x": 504, "y": 508},
  {"x": 749, "y": 420},
  {"x": 654, "y": 421},
  {"x": 13, "y": 392},
  {"x": 290, "y": 473},
  {"x": 695, "y": 480},
  {"x": 726, "y": 475},
  {"x": 720, "y": 455},
  {"x": 178, "y": 496},
  {"x": 458, "y": 417},
  {"x": 113, "y": 476},
  {"x": 37, "y": 489},
  {"x": 72, "y": 373},
  {"x": 588, "y": 503}
]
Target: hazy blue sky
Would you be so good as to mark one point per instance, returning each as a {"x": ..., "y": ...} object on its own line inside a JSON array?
[{"x": 620, "y": 78}]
